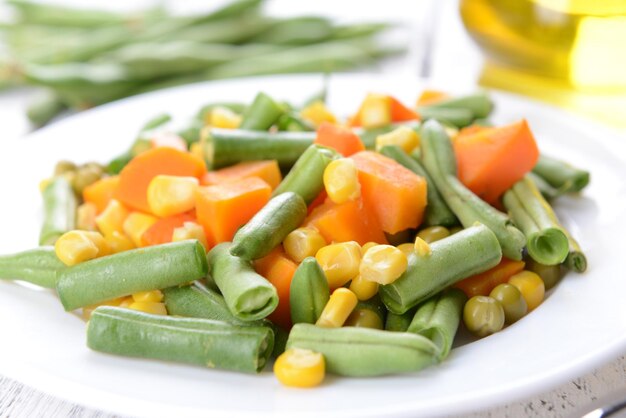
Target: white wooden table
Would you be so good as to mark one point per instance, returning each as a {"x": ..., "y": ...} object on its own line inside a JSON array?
[{"x": 448, "y": 46}]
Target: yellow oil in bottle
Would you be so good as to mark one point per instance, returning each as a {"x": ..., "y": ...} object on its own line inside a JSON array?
[{"x": 569, "y": 52}]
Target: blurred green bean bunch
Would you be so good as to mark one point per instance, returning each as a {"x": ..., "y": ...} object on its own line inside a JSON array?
[{"x": 82, "y": 57}]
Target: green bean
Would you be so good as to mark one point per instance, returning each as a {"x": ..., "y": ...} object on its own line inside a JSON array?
[
  {"x": 561, "y": 175},
  {"x": 128, "y": 272},
  {"x": 298, "y": 31},
  {"x": 438, "y": 319},
  {"x": 205, "y": 110},
  {"x": 399, "y": 322},
  {"x": 576, "y": 259},
  {"x": 368, "y": 136},
  {"x": 468, "y": 252},
  {"x": 269, "y": 226},
  {"x": 38, "y": 266},
  {"x": 44, "y": 109},
  {"x": 233, "y": 30},
  {"x": 35, "y": 12},
  {"x": 197, "y": 301},
  {"x": 224, "y": 147},
  {"x": 437, "y": 211},
  {"x": 306, "y": 178},
  {"x": 308, "y": 292},
  {"x": 546, "y": 189},
  {"x": 248, "y": 295},
  {"x": 353, "y": 351},
  {"x": 457, "y": 117},
  {"x": 478, "y": 103},
  {"x": 261, "y": 114},
  {"x": 291, "y": 121},
  {"x": 203, "y": 342},
  {"x": 358, "y": 30},
  {"x": 59, "y": 208},
  {"x": 545, "y": 240},
  {"x": 440, "y": 162}
]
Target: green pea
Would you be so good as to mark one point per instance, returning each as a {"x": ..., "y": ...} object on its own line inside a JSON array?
[
  {"x": 483, "y": 316},
  {"x": 512, "y": 302},
  {"x": 64, "y": 166},
  {"x": 85, "y": 176},
  {"x": 433, "y": 233},
  {"x": 365, "y": 318},
  {"x": 550, "y": 275}
]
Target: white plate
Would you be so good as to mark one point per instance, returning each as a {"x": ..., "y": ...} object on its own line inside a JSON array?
[{"x": 581, "y": 325}]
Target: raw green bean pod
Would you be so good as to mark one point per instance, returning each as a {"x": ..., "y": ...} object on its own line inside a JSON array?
[
  {"x": 208, "y": 343},
  {"x": 261, "y": 114},
  {"x": 399, "y": 322},
  {"x": 468, "y": 252},
  {"x": 478, "y": 103},
  {"x": 308, "y": 292},
  {"x": 440, "y": 162},
  {"x": 306, "y": 178},
  {"x": 224, "y": 147},
  {"x": 545, "y": 239},
  {"x": 561, "y": 175},
  {"x": 59, "y": 210},
  {"x": 355, "y": 351},
  {"x": 438, "y": 319},
  {"x": 458, "y": 117},
  {"x": 248, "y": 295},
  {"x": 269, "y": 226},
  {"x": 437, "y": 211},
  {"x": 38, "y": 266},
  {"x": 128, "y": 272}
]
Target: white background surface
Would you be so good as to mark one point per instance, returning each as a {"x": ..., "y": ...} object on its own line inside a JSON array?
[{"x": 450, "y": 46}]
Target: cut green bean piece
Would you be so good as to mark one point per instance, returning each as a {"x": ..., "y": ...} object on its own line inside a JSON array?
[
  {"x": 248, "y": 295},
  {"x": 355, "y": 351},
  {"x": 561, "y": 175},
  {"x": 261, "y": 114},
  {"x": 440, "y": 162},
  {"x": 197, "y": 301},
  {"x": 455, "y": 116},
  {"x": 399, "y": 322},
  {"x": 44, "y": 108},
  {"x": 438, "y": 319},
  {"x": 38, "y": 266},
  {"x": 203, "y": 342},
  {"x": 128, "y": 272},
  {"x": 546, "y": 189},
  {"x": 478, "y": 103},
  {"x": 437, "y": 211},
  {"x": 308, "y": 292},
  {"x": 545, "y": 239},
  {"x": 306, "y": 178},
  {"x": 576, "y": 259},
  {"x": 292, "y": 122},
  {"x": 59, "y": 210},
  {"x": 468, "y": 252},
  {"x": 269, "y": 226}
]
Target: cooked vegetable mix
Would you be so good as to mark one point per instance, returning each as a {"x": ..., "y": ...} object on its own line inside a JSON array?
[{"x": 271, "y": 229}]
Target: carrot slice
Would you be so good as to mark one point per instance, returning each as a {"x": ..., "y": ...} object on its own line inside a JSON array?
[
  {"x": 267, "y": 170},
  {"x": 344, "y": 140},
  {"x": 482, "y": 284},
  {"x": 430, "y": 96},
  {"x": 161, "y": 231},
  {"x": 350, "y": 221},
  {"x": 401, "y": 113},
  {"x": 168, "y": 139},
  {"x": 394, "y": 194},
  {"x": 136, "y": 176},
  {"x": 318, "y": 201},
  {"x": 491, "y": 160},
  {"x": 278, "y": 269},
  {"x": 101, "y": 192},
  {"x": 223, "y": 208}
]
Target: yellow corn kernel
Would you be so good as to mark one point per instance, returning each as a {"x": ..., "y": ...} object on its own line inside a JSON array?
[
  {"x": 74, "y": 247},
  {"x": 222, "y": 117},
  {"x": 87, "y": 310},
  {"x": 404, "y": 137},
  {"x": 190, "y": 230},
  {"x": 303, "y": 242},
  {"x": 421, "y": 248},
  {"x": 317, "y": 112},
  {"x": 433, "y": 233},
  {"x": 156, "y": 308},
  {"x": 128, "y": 300},
  {"x": 338, "y": 308},
  {"x": 112, "y": 218},
  {"x": 136, "y": 224},
  {"x": 531, "y": 286},
  {"x": 452, "y": 132},
  {"x": 170, "y": 195},
  {"x": 118, "y": 242},
  {"x": 86, "y": 217},
  {"x": 363, "y": 289},
  {"x": 340, "y": 262},
  {"x": 407, "y": 248},
  {"x": 367, "y": 246},
  {"x": 383, "y": 264},
  {"x": 148, "y": 296},
  {"x": 197, "y": 149},
  {"x": 375, "y": 111},
  {"x": 341, "y": 181},
  {"x": 300, "y": 368}
]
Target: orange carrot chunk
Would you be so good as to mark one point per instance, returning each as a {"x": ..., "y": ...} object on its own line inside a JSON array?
[
  {"x": 267, "y": 170},
  {"x": 278, "y": 269},
  {"x": 350, "y": 221},
  {"x": 430, "y": 96},
  {"x": 401, "y": 113},
  {"x": 491, "y": 160},
  {"x": 344, "y": 140},
  {"x": 161, "y": 231},
  {"x": 394, "y": 194},
  {"x": 101, "y": 192},
  {"x": 483, "y": 283},
  {"x": 136, "y": 176},
  {"x": 223, "y": 208}
]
